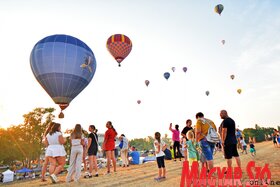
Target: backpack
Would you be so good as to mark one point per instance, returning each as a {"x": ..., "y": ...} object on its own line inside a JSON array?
[{"x": 212, "y": 136}]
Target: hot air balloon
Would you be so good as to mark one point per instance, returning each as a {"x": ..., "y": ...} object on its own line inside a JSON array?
[
  {"x": 219, "y": 8},
  {"x": 185, "y": 69},
  {"x": 166, "y": 75},
  {"x": 64, "y": 66},
  {"x": 232, "y": 77},
  {"x": 207, "y": 93},
  {"x": 119, "y": 46},
  {"x": 147, "y": 82},
  {"x": 173, "y": 69},
  {"x": 223, "y": 42},
  {"x": 239, "y": 91},
  {"x": 138, "y": 101}
]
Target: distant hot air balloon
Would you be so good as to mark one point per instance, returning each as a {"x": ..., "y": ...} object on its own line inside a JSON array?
[
  {"x": 232, "y": 77},
  {"x": 219, "y": 8},
  {"x": 147, "y": 82},
  {"x": 119, "y": 46},
  {"x": 207, "y": 93},
  {"x": 223, "y": 42},
  {"x": 166, "y": 75},
  {"x": 138, "y": 101},
  {"x": 64, "y": 66},
  {"x": 239, "y": 91},
  {"x": 173, "y": 69},
  {"x": 185, "y": 69}
]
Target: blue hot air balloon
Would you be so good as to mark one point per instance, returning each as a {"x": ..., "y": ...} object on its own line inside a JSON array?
[
  {"x": 166, "y": 75},
  {"x": 64, "y": 66}
]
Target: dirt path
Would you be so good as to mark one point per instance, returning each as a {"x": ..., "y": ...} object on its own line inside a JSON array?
[{"x": 142, "y": 175}]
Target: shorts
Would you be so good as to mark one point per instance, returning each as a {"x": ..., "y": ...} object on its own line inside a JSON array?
[
  {"x": 160, "y": 162},
  {"x": 252, "y": 150},
  {"x": 231, "y": 151},
  {"x": 244, "y": 147},
  {"x": 207, "y": 149},
  {"x": 191, "y": 160},
  {"x": 92, "y": 151},
  {"x": 274, "y": 141}
]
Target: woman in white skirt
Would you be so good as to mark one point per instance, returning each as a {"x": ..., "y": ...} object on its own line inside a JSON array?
[
  {"x": 55, "y": 151},
  {"x": 77, "y": 142}
]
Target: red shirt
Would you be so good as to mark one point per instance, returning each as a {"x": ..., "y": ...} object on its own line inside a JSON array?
[{"x": 109, "y": 140}]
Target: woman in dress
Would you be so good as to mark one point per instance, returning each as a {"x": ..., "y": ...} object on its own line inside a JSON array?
[{"x": 109, "y": 145}]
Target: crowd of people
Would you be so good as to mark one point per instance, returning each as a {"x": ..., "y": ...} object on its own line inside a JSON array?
[{"x": 190, "y": 144}]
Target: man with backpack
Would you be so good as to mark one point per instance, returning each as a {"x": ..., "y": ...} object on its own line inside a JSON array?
[
  {"x": 229, "y": 141},
  {"x": 207, "y": 137}
]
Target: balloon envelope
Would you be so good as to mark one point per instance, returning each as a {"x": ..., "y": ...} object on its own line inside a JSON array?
[
  {"x": 119, "y": 46},
  {"x": 173, "y": 69},
  {"x": 207, "y": 93},
  {"x": 232, "y": 77},
  {"x": 147, "y": 82},
  {"x": 166, "y": 75},
  {"x": 223, "y": 42},
  {"x": 219, "y": 8},
  {"x": 239, "y": 91},
  {"x": 138, "y": 101},
  {"x": 63, "y": 65},
  {"x": 185, "y": 69}
]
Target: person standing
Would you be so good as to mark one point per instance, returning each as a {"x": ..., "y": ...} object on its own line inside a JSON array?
[
  {"x": 176, "y": 141},
  {"x": 229, "y": 140},
  {"x": 201, "y": 130},
  {"x": 109, "y": 146},
  {"x": 160, "y": 146},
  {"x": 55, "y": 151},
  {"x": 92, "y": 151},
  {"x": 46, "y": 162},
  {"x": 185, "y": 139},
  {"x": 76, "y": 156},
  {"x": 124, "y": 150}
]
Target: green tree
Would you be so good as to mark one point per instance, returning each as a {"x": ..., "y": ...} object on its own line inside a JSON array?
[{"x": 23, "y": 142}]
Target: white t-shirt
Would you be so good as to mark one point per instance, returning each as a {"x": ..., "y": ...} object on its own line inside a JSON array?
[
  {"x": 161, "y": 153},
  {"x": 242, "y": 142},
  {"x": 53, "y": 139}
]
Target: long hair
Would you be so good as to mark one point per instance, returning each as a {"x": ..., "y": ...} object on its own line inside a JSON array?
[
  {"x": 93, "y": 128},
  {"x": 77, "y": 132},
  {"x": 48, "y": 129},
  {"x": 54, "y": 128},
  {"x": 112, "y": 127},
  {"x": 157, "y": 136}
]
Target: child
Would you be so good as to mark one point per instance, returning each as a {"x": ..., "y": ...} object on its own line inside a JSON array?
[
  {"x": 159, "y": 147},
  {"x": 252, "y": 149},
  {"x": 243, "y": 144},
  {"x": 191, "y": 146}
]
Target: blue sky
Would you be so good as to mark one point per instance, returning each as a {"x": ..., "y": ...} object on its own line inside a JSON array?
[{"x": 164, "y": 34}]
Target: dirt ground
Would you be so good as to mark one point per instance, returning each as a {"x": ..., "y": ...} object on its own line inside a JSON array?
[{"x": 143, "y": 175}]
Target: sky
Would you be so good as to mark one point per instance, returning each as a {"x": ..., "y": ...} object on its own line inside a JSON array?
[{"x": 164, "y": 34}]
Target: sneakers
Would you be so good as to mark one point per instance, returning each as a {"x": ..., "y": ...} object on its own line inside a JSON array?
[
  {"x": 88, "y": 175},
  {"x": 54, "y": 178},
  {"x": 96, "y": 175}
]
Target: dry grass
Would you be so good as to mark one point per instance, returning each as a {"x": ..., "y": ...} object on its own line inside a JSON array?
[{"x": 142, "y": 175}]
